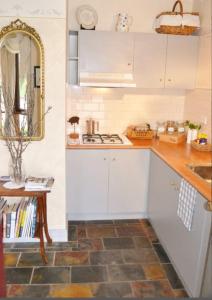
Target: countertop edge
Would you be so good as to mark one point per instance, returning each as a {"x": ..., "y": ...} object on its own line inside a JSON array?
[{"x": 200, "y": 185}]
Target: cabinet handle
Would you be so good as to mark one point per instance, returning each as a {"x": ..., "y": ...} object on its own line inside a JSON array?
[
  {"x": 105, "y": 158},
  {"x": 114, "y": 159},
  {"x": 129, "y": 64},
  {"x": 161, "y": 79},
  {"x": 169, "y": 80}
]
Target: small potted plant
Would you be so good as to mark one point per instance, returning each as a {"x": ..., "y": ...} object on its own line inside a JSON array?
[{"x": 192, "y": 133}]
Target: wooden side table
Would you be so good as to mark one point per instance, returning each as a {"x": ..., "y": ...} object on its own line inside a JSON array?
[{"x": 41, "y": 224}]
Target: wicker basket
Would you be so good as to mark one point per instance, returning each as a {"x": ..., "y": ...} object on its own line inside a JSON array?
[
  {"x": 140, "y": 134},
  {"x": 178, "y": 30},
  {"x": 207, "y": 147}
]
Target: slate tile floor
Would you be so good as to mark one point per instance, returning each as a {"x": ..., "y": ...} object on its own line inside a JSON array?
[{"x": 121, "y": 258}]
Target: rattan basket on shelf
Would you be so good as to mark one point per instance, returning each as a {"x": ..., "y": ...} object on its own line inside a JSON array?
[
  {"x": 206, "y": 147},
  {"x": 178, "y": 30}
]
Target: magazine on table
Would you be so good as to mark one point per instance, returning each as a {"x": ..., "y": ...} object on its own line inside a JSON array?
[{"x": 39, "y": 183}]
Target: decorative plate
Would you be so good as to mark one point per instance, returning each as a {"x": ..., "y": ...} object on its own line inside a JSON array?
[
  {"x": 12, "y": 186},
  {"x": 87, "y": 16}
]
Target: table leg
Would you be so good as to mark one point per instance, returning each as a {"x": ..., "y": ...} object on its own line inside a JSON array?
[
  {"x": 49, "y": 240},
  {"x": 39, "y": 229}
]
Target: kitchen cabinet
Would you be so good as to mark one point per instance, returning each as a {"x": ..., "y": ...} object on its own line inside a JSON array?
[
  {"x": 150, "y": 60},
  {"x": 128, "y": 181},
  {"x": 186, "y": 249},
  {"x": 87, "y": 174},
  {"x": 181, "y": 62},
  {"x": 99, "y": 185},
  {"x": 105, "y": 52},
  {"x": 144, "y": 60},
  {"x": 168, "y": 61}
]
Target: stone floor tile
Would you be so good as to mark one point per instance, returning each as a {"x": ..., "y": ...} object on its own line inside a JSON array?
[
  {"x": 154, "y": 271},
  {"x": 70, "y": 223},
  {"x": 127, "y": 272},
  {"x": 88, "y": 274},
  {"x": 100, "y": 231},
  {"x": 152, "y": 289},
  {"x": 28, "y": 291},
  {"x": 71, "y": 258},
  {"x": 26, "y": 245},
  {"x": 172, "y": 276},
  {"x": 34, "y": 259},
  {"x": 106, "y": 257},
  {"x": 106, "y": 290},
  {"x": 161, "y": 253},
  {"x": 100, "y": 222},
  {"x": 89, "y": 244},
  {"x": 127, "y": 221},
  {"x": 142, "y": 255},
  {"x": 10, "y": 259},
  {"x": 16, "y": 250},
  {"x": 145, "y": 222},
  {"x": 18, "y": 275},
  {"x": 180, "y": 294},
  {"x": 118, "y": 243},
  {"x": 72, "y": 233},
  {"x": 51, "y": 275},
  {"x": 142, "y": 242},
  {"x": 81, "y": 232},
  {"x": 150, "y": 233},
  {"x": 130, "y": 230},
  {"x": 70, "y": 291},
  {"x": 61, "y": 246}
]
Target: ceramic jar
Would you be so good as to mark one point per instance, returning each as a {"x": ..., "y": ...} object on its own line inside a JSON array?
[{"x": 124, "y": 21}]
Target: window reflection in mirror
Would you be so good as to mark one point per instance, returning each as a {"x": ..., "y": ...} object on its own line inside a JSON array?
[{"x": 20, "y": 90}]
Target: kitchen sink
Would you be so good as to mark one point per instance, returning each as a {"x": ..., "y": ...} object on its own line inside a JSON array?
[{"x": 204, "y": 171}]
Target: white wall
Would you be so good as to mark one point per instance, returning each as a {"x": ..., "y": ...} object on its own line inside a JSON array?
[
  {"x": 46, "y": 157},
  {"x": 115, "y": 109},
  {"x": 198, "y": 102},
  {"x": 142, "y": 11}
]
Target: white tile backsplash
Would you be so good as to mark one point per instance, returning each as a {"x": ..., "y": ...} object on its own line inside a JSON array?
[{"x": 115, "y": 109}]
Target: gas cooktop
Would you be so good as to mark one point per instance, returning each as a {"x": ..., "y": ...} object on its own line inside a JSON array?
[{"x": 105, "y": 139}]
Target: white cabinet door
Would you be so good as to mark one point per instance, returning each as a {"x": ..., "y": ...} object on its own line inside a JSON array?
[
  {"x": 87, "y": 182},
  {"x": 187, "y": 249},
  {"x": 128, "y": 181},
  {"x": 150, "y": 60},
  {"x": 181, "y": 64},
  {"x": 106, "y": 52}
]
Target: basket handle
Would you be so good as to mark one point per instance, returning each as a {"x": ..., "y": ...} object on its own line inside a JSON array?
[{"x": 181, "y": 6}]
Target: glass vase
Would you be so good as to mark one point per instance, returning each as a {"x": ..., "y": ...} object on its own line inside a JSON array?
[{"x": 17, "y": 171}]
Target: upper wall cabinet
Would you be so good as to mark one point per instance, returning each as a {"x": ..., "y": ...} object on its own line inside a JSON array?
[
  {"x": 105, "y": 52},
  {"x": 144, "y": 60},
  {"x": 168, "y": 61},
  {"x": 181, "y": 62},
  {"x": 150, "y": 60}
]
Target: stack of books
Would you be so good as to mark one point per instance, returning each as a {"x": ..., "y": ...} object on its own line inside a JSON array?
[
  {"x": 38, "y": 184},
  {"x": 19, "y": 219}
]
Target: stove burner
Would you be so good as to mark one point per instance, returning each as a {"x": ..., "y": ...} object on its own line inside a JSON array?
[{"x": 102, "y": 139}]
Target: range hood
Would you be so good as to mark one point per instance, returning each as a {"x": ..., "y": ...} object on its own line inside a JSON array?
[{"x": 106, "y": 79}]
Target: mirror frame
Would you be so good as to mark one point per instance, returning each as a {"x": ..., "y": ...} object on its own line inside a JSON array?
[{"x": 19, "y": 26}]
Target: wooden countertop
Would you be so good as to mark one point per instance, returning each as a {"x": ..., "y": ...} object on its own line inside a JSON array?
[{"x": 176, "y": 156}]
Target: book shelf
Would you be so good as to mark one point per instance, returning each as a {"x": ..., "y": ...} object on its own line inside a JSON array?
[{"x": 41, "y": 225}]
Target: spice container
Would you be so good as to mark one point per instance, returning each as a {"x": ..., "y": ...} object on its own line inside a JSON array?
[
  {"x": 161, "y": 127},
  {"x": 171, "y": 127},
  {"x": 180, "y": 127}
]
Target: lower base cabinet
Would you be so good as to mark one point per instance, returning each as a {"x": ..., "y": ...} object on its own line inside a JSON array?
[
  {"x": 186, "y": 249},
  {"x": 107, "y": 183}
]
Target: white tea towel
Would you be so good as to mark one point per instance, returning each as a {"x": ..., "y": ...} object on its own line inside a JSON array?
[
  {"x": 186, "y": 203},
  {"x": 191, "y": 20},
  {"x": 169, "y": 20}
]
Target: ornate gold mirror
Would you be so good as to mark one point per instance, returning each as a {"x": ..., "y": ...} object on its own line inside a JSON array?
[{"x": 21, "y": 82}]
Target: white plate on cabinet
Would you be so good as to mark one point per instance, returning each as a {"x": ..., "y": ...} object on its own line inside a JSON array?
[{"x": 87, "y": 16}]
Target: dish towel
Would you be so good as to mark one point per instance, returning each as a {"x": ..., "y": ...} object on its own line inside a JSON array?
[{"x": 186, "y": 203}]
